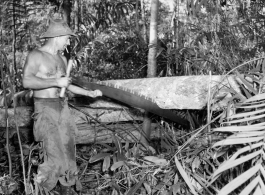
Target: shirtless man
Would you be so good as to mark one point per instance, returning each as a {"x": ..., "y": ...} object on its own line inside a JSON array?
[{"x": 44, "y": 72}]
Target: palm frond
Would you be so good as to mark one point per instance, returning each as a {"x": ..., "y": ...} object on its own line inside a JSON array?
[{"x": 242, "y": 144}]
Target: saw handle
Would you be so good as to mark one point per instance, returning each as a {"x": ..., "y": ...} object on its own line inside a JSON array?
[{"x": 68, "y": 70}]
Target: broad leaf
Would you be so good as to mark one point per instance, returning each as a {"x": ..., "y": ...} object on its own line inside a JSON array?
[
  {"x": 106, "y": 163},
  {"x": 98, "y": 157},
  {"x": 116, "y": 165},
  {"x": 184, "y": 176},
  {"x": 136, "y": 187},
  {"x": 156, "y": 160}
]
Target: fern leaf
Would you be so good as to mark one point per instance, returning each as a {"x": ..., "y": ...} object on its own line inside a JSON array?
[
  {"x": 250, "y": 186},
  {"x": 247, "y": 84},
  {"x": 237, "y": 141},
  {"x": 239, "y": 180},
  {"x": 262, "y": 170},
  {"x": 246, "y": 119},
  {"x": 247, "y": 148},
  {"x": 251, "y": 106},
  {"x": 257, "y": 97},
  {"x": 246, "y": 114},
  {"x": 247, "y": 134},
  {"x": 229, "y": 164},
  {"x": 258, "y": 191},
  {"x": 262, "y": 186},
  {"x": 240, "y": 128}
]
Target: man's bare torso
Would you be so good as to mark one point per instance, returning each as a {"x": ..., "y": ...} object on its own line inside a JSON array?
[{"x": 50, "y": 66}]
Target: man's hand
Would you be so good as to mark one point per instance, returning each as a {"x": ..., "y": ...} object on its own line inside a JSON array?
[
  {"x": 97, "y": 93},
  {"x": 94, "y": 94},
  {"x": 63, "y": 81}
]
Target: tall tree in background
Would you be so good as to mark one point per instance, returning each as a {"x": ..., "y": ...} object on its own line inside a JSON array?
[
  {"x": 67, "y": 17},
  {"x": 15, "y": 14},
  {"x": 76, "y": 17},
  {"x": 151, "y": 69},
  {"x": 67, "y": 11},
  {"x": 14, "y": 37},
  {"x": 137, "y": 16},
  {"x": 144, "y": 22}
]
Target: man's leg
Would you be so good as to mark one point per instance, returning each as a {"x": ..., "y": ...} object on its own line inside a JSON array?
[
  {"x": 58, "y": 145},
  {"x": 67, "y": 129}
]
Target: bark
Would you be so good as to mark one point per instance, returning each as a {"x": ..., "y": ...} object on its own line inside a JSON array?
[{"x": 151, "y": 70}]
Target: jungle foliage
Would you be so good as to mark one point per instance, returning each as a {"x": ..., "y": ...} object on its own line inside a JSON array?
[{"x": 222, "y": 152}]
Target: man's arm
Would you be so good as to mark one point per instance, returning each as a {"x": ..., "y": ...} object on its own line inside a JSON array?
[
  {"x": 81, "y": 91},
  {"x": 31, "y": 68}
]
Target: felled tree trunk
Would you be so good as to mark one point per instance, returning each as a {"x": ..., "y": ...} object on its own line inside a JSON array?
[
  {"x": 94, "y": 133},
  {"x": 100, "y": 126}
]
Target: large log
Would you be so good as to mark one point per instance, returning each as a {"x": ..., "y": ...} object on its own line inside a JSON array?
[
  {"x": 89, "y": 130},
  {"x": 95, "y": 133},
  {"x": 102, "y": 114}
]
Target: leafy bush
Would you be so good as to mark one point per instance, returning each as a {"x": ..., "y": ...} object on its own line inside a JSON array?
[{"x": 114, "y": 55}]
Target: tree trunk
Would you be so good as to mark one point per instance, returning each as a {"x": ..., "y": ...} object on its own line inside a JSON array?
[
  {"x": 14, "y": 69},
  {"x": 76, "y": 18},
  {"x": 151, "y": 70},
  {"x": 81, "y": 11},
  {"x": 136, "y": 16},
  {"x": 144, "y": 22},
  {"x": 66, "y": 16},
  {"x": 67, "y": 11}
]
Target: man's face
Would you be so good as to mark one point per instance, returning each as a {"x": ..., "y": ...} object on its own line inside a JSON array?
[{"x": 63, "y": 41}]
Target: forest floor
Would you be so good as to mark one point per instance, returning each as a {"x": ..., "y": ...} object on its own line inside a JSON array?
[{"x": 97, "y": 176}]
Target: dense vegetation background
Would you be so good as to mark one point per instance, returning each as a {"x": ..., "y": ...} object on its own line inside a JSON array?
[{"x": 221, "y": 153}]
